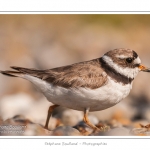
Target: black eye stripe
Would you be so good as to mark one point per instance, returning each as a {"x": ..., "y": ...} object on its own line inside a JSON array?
[{"x": 136, "y": 65}]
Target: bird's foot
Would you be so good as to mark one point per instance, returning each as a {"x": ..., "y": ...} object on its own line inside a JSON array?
[{"x": 103, "y": 127}]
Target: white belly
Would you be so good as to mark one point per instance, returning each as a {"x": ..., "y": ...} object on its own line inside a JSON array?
[{"x": 81, "y": 98}]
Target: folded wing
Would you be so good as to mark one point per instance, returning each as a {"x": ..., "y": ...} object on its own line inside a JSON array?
[{"x": 86, "y": 74}]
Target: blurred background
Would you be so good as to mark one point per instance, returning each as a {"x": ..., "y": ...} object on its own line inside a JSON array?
[{"x": 48, "y": 41}]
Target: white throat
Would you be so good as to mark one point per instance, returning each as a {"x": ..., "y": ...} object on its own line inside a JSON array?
[{"x": 128, "y": 72}]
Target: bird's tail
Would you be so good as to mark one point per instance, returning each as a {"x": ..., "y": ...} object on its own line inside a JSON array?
[
  {"x": 12, "y": 73},
  {"x": 19, "y": 73}
]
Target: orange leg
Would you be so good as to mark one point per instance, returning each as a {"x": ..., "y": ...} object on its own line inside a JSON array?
[
  {"x": 50, "y": 110},
  {"x": 86, "y": 120}
]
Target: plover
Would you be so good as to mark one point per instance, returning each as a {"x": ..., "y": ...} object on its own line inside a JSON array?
[{"x": 86, "y": 86}]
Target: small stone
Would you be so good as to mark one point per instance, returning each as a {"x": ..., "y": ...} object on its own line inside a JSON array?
[
  {"x": 65, "y": 131},
  {"x": 93, "y": 119},
  {"x": 122, "y": 131},
  {"x": 83, "y": 128},
  {"x": 143, "y": 130},
  {"x": 36, "y": 129},
  {"x": 71, "y": 117}
]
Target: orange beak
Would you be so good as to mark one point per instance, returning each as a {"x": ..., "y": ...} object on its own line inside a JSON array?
[{"x": 143, "y": 68}]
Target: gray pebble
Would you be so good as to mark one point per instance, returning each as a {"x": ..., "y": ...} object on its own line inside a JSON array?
[{"x": 65, "y": 131}]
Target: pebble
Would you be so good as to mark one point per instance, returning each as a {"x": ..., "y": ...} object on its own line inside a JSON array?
[
  {"x": 122, "y": 131},
  {"x": 71, "y": 117},
  {"x": 65, "y": 131}
]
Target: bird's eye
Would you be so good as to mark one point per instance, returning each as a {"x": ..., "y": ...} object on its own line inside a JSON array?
[{"x": 129, "y": 60}]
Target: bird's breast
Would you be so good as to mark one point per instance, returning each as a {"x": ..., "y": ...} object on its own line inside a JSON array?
[
  {"x": 80, "y": 98},
  {"x": 96, "y": 99}
]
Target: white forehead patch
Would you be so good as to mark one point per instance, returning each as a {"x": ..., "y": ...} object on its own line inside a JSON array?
[
  {"x": 137, "y": 61},
  {"x": 128, "y": 72}
]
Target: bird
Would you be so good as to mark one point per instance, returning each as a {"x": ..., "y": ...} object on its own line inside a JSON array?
[{"x": 87, "y": 86}]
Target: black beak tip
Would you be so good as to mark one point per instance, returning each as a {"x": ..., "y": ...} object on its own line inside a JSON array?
[{"x": 147, "y": 70}]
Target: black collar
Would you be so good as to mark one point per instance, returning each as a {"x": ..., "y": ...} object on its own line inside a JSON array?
[{"x": 114, "y": 74}]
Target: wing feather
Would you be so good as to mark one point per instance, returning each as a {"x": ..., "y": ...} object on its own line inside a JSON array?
[{"x": 85, "y": 74}]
